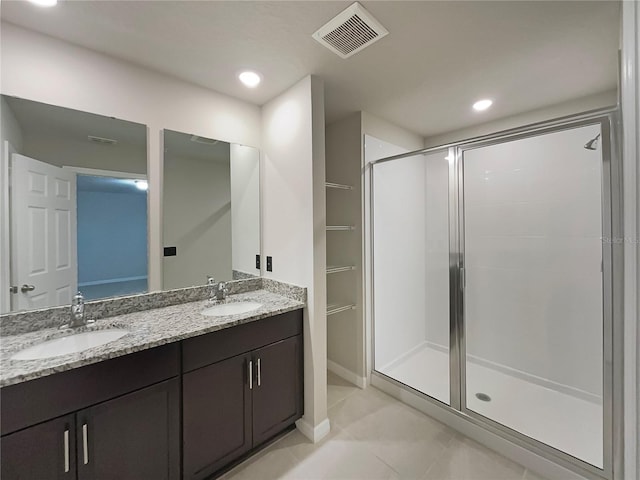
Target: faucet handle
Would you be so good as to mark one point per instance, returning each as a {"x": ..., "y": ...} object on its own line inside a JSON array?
[{"x": 210, "y": 280}]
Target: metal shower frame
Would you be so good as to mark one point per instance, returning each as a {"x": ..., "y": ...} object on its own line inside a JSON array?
[{"x": 613, "y": 264}]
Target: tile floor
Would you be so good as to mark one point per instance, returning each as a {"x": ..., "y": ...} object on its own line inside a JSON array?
[
  {"x": 566, "y": 422},
  {"x": 373, "y": 436}
]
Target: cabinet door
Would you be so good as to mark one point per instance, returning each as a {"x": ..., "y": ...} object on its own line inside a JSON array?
[
  {"x": 216, "y": 418},
  {"x": 277, "y": 394},
  {"x": 133, "y": 436},
  {"x": 45, "y": 451}
]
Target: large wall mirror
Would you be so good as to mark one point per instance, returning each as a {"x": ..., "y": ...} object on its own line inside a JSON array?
[
  {"x": 211, "y": 210},
  {"x": 74, "y": 206}
]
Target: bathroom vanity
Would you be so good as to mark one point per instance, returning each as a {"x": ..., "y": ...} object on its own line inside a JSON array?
[{"x": 182, "y": 396}]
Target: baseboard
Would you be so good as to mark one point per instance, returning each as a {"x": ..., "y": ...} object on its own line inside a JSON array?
[
  {"x": 465, "y": 425},
  {"x": 315, "y": 434},
  {"x": 346, "y": 374}
]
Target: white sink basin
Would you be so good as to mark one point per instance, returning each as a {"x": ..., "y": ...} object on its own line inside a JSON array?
[
  {"x": 235, "y": 308},
  {"x": 71, "y": 344}
]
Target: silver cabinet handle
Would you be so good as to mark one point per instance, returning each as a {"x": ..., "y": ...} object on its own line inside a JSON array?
[
  {"x": 85, "y": 444},
  {"x": 66, "y": 451},
  {"x": 259, "y": 373},
  {"x": 250, "y": 374},
  {"x": 27, "y": 288}
]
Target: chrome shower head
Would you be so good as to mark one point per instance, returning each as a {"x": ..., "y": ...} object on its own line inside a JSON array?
[{"x": 593, "y": 143}]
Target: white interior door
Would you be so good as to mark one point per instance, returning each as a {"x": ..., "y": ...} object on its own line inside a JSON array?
[{"x": 44, "y": 238}]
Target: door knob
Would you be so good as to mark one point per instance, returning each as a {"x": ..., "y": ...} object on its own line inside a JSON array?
[{"x": 27, "y": 288}]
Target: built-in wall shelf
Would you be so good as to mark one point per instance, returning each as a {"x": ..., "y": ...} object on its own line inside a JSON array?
[
  {"x": 338, "y": 228},
  {"x": 334, "y": 308},
  {"x": 339, "y": 268},
  {"x": 339, "y": 186}
]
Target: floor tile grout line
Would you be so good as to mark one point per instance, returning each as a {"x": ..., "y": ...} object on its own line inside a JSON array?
[{"x": 257, "y": 456}]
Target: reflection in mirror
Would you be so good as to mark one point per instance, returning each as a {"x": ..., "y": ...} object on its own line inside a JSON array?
[
  {"x": 74, "y": 206},
  {"x": 211, "y": 210}
]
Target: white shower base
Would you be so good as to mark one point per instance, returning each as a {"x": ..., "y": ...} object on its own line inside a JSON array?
[{"x": 568, "y": 423}]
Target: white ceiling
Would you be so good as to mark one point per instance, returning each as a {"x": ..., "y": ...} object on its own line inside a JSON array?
[
  {"x": 39, "y": 119},
  {"x": 437, "y": 59}
]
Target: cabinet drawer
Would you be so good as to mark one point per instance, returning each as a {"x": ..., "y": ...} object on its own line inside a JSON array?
[
  {"x": 204, "y": 350},
  {"x": 36, "y": 401}
]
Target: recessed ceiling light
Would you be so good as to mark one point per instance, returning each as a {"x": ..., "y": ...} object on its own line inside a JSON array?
[
  {"x": 142, "y": 184},
  {"x": 482, "y": 105},
  {"x": 44, "y": 3},
  {"x": 250, "y": 79}
]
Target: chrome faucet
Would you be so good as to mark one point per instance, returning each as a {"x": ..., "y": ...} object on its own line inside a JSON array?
[
  {"x": 211, "y": 285},
  {"x": 77, "y": 318},
  {"x": 221, "y": 291},
  {"x": 217, "y": 292}
]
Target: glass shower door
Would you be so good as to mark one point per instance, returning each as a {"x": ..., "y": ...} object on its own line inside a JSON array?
[
  {"x": 535, "y": 306},
  {"x": 410, "y": 227}
]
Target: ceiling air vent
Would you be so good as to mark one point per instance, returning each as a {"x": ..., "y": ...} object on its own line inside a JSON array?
[
  {"x": 350, "y": 31},
  {"x": 203, "y": 140},
  {"x": 101, "y": 140}
]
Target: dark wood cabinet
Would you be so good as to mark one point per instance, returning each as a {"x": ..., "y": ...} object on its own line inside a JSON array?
[
  {"x": 216, "y": 416},
  {"x": 43, "y": 452},
  {"x": 277, "y": 399},
  {"x": 133, "y": 436},
  {"x": 186, "y": 409},
  {"x": 241, "y": 387},
  {"x": 130, "y": 406}
]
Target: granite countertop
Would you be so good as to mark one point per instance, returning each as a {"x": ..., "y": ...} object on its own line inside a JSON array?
[{"x": 148, "y": 328}]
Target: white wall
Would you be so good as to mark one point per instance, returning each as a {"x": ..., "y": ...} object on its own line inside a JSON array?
[
  {"x": 345, "y": 342},
  {"x": 533, "y": 255},
  {"x": 9, "y": 126},
  {"x": 245, "y": 208},
  {"x": 86, "y": 80},
  {"x": 399, "y": 239},
  {"x": 411, "y": 253},
  {"x": 571, "y": 107},
  {"x": 9, "y": 131},
  {"x": 385, "y": 139},
  {"x": 436, "y": 189},
  {"x": 196, "y": 219},
  {"x": 383, "y": 130},
  {"x": 294, "y": 229}
]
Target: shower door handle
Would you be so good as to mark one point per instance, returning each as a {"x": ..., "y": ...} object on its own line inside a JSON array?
[{"x": 462, "y": 278}]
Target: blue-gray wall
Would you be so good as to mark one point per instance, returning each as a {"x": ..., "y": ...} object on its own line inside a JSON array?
[{"x": 112, "y": 235}]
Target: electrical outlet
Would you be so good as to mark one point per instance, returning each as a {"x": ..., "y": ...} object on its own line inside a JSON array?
[
  {"x": 269, "y": 264},
  {"x": 258, "y": 262}
]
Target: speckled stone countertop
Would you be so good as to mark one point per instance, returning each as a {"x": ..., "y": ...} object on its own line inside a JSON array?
[{"x": 148, "y": 328}]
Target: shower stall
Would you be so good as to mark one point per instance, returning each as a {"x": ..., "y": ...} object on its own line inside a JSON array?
[{"x": 493, "y": 267}]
